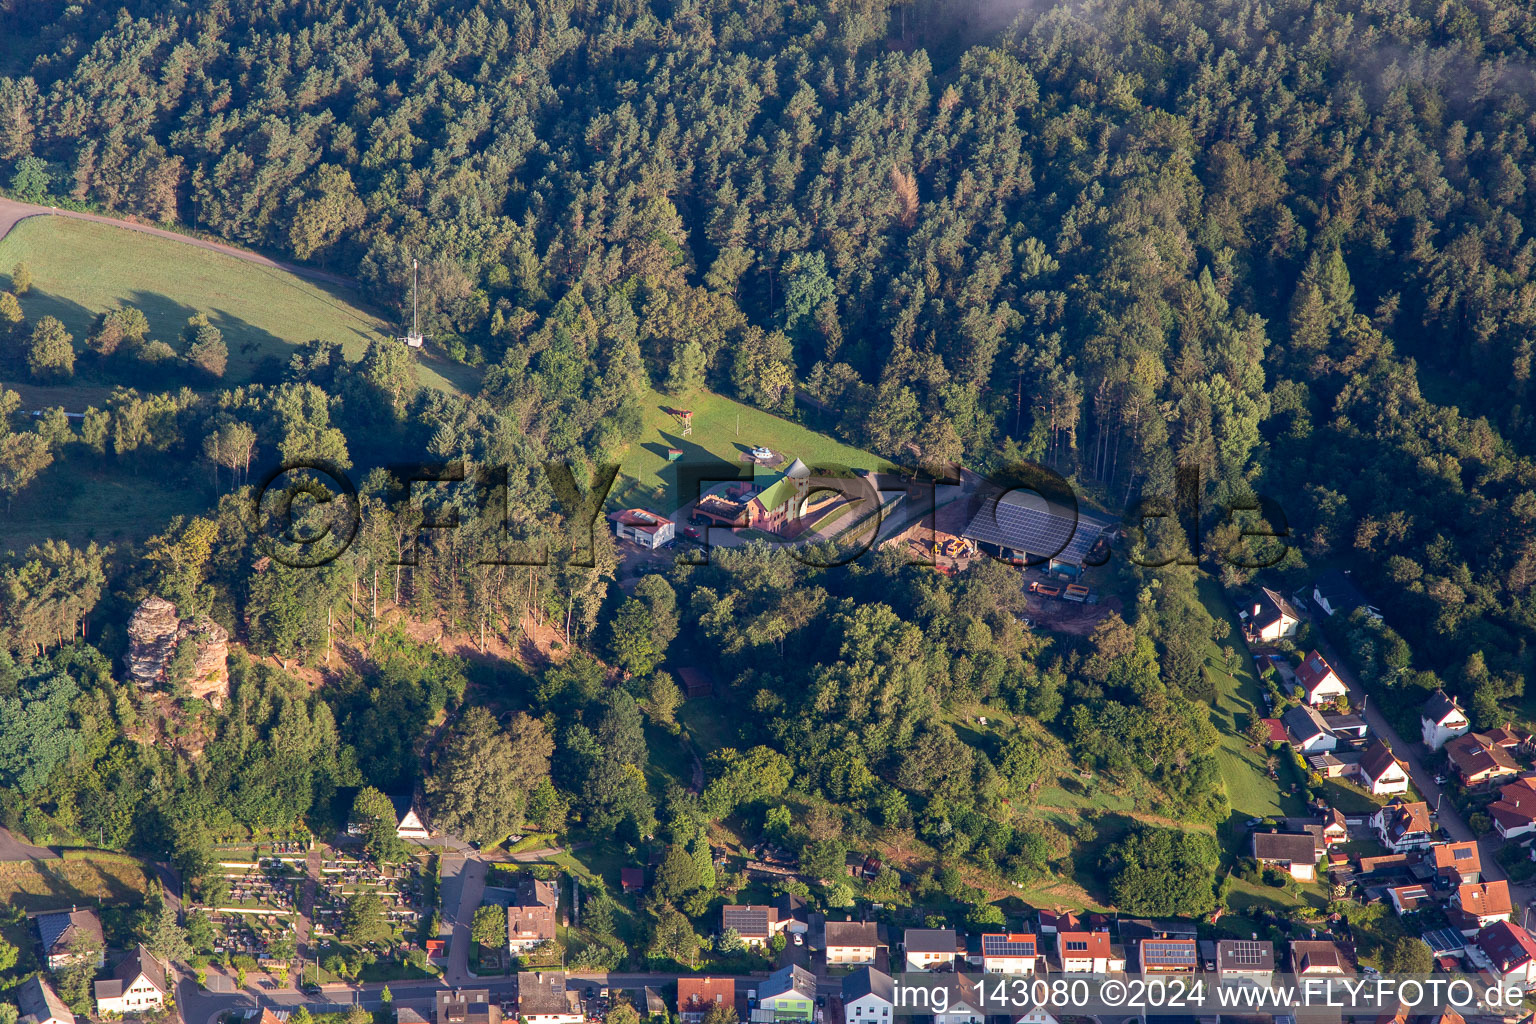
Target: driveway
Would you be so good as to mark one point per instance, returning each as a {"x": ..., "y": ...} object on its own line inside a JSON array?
[
  {"x": 468, "y": 888},
  {"x": 13, "y": 847}
]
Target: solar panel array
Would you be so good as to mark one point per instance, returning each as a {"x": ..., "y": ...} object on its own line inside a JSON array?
[
  {"x": 1247, "y": 953},
  {"x": 1164, "y": 953},
  {"x": 1045, "y": 531},
  {"x": 1444, "y": 940},
  {"x": 1462, "y": 853},
  {"x": 1001, "y": 945}
]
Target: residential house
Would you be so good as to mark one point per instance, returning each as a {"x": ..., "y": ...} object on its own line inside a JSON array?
[
  {"x": 543, "y": 997},
  {"x": 1334, "y": 828},
  {"x": 467, "y": 1006},
  {"x": 1036, "y": 1015},
  {"x": 632, "y": 880},
  {"x": 409, "y": 822},
  {"x": 790, "y": 914},
  {"x": 1442, "y": 720},
  {"x": 1312, "y": 958},
  {"x": 1168, "y": 956},
  {"x": 1010, "y": 953},
  {"x": 138, "y": 983},
  {"x": 1381, "y": 773},
  {"x": 531, "y": 914},
  {"x": 755, "y": 925},
  {"x": 787, "y": 994},
  {"x": 60, "y": 932},
  {"x": 1411, "y": 897},
  {"x": 1245, "y": 960},
  {"x": 1334, "y": 593},
  {"x": 869, "y": 996},
  {"x": 1481, "y": 904},
  {"x": 1511, "y": 952},
  {"x": 1507, "y": 739},
  {"x": 850, "y": 943},
  {"x": 1403, "y": 826},
  {"x": 1479, "y": 760},
  {"x": 963, "y": 1005},
  {"x": 1269, "y": 618},
  {"x": 1309, "y": 733},
  {"x": 1295, "y": 852},
  {"x": 1460, "y": 862},
  {"x": 40, "y": 1004},
  {"x": 695, "y": 997},
  {"x": 928, "y": 949},
  {"x": 1319, "y": 681},
  {"x": 650, "y": 530},
  {"x": 1514, "y": 812},
  {"x": 1058, "y": 920},
  {"x": 1086, "y": 952}
]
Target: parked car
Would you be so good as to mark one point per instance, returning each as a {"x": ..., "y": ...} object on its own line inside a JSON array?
[{"x": 799, "y": 939}]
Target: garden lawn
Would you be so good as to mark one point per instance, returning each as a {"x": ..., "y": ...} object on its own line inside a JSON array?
[
  {"x": 81, "y": 268},
  {"x": 723, "y": 431},
  {"x": 1252, "y": 792}
]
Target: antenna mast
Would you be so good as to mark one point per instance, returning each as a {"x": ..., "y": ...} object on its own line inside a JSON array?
[{"x": 414, "y": 338}]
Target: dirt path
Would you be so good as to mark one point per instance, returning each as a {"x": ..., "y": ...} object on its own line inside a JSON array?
[{"x": 13, "y": 213}]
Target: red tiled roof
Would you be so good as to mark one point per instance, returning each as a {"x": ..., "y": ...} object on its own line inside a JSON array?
[
  {"x": 1507, "y": 945},
  {"x": 1095, "y": 945},
  {"x": 1314, "y": 669},
  {"x": 1485, "y": 899},
  {"x": 699, "y": 994}
]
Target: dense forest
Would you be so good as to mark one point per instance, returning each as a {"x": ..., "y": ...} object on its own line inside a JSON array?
[{"x": 1282, "y": 242}]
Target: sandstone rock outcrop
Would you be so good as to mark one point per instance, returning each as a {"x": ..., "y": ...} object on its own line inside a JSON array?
[{"x": 155, "y": 635}]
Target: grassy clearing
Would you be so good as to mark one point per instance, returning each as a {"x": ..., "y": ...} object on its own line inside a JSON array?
[
  {"x": 723, "y": 431},
  {"x": 59, "y": 884},
  {"x": 1250, "y": 789},
  {"x": 81, "y": 268},
  {"x": 105, "y": 502}
]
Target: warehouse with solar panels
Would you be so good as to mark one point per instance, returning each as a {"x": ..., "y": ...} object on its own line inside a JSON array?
[{"x": 1024, "y": 528}]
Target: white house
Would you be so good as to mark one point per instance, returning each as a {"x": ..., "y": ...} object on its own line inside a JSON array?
[
  {"x": 1269, "y": 618},
  {"x": 930, "y": 948},
  {"x": 1037, "y": 1015},
  {"x": 62, "y": 933},
  {"x": 1017, "y": 953},
  {"x": 1510, "y": 951},
  {"x": 1309, "y": 733},
  {"x": 647, "y": 529},
  {"x": 543, "y": 997},
  {"x": 963, "y": 1005},
  {"x": 1482, "y": 904},
  {"x": 851, "y": 943},
  {"x": 869, "y": 996},
  {"x": 1087, "y": 953},
  {"x": 410, "y": 824},
  {"x": 1381, "y": 772},
  {"x": 1294, "y": 852},
  {"x": 137, "y": 984},
  {"x": 1514, "y": 812},
  {"x": 1403, "y": 826},
  {"x": 1321, "y": 683},
  {"x": 40, "y": 1004},
  {"x": 1442, "y": 720}
]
